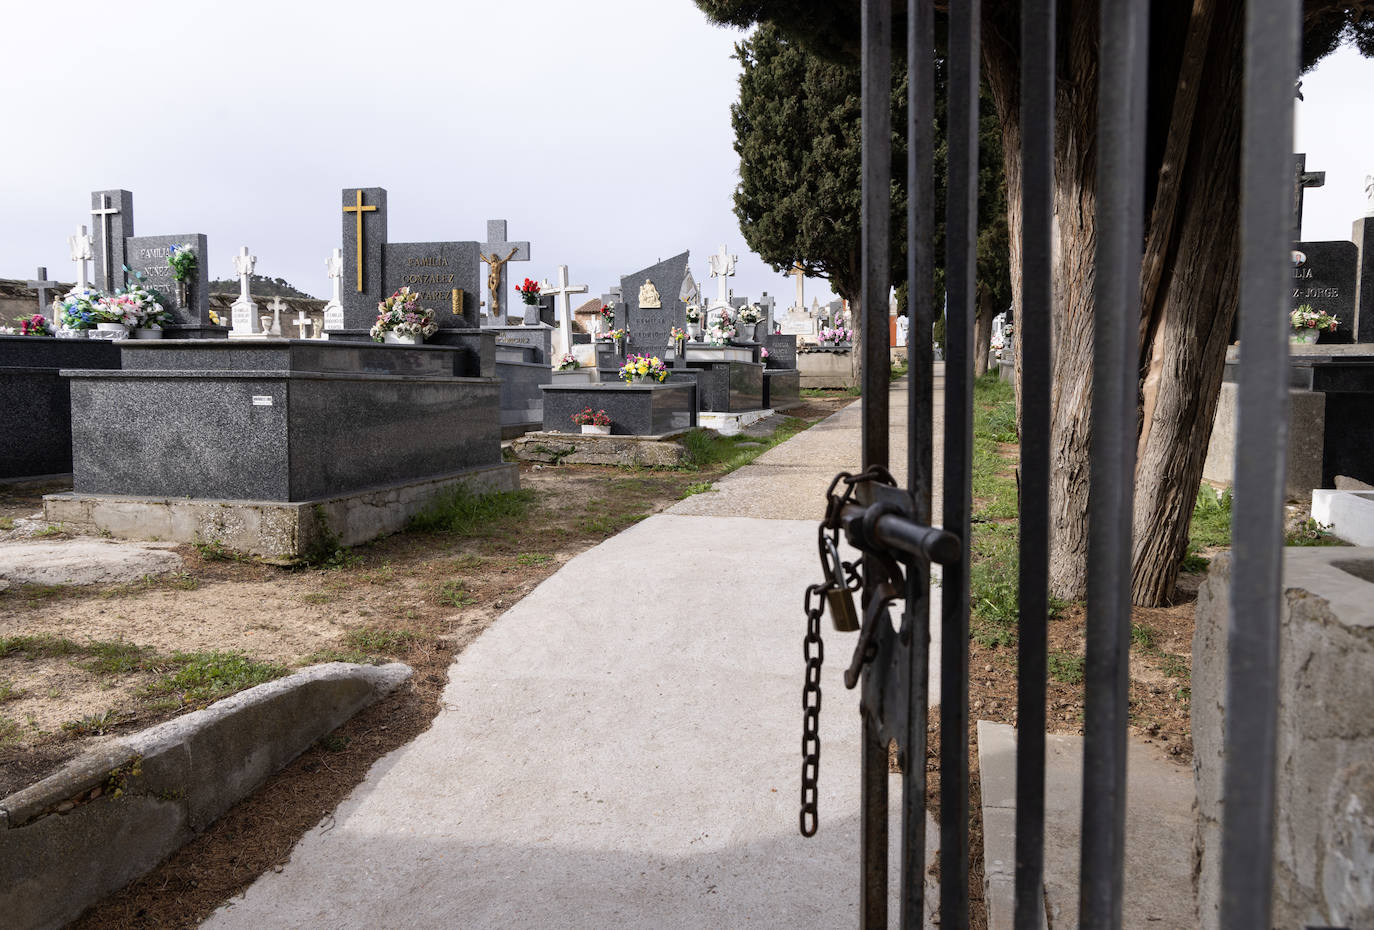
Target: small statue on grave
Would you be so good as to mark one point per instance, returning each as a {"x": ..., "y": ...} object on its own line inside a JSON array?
[{"x": 648, "y": 297}]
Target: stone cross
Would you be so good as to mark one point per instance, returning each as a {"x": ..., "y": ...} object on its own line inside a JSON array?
[
  {"x": 276, "y": 306},
  {"x": 1302, "y": 179},
  {"x": 303, "y": 323},
  {"x": 491, "y": 252},
  {"x": 799, "y": 273},
  {"x": 81, "y": 245},
  {"x": 722, "y": 268},
  {"x": 103, "y": 213},
  {"x": 42, "y": 285},
  {"x": 243, "y": 311},
  {"x": 333, "y": 311},
  {"x": 565, "y": 291}
]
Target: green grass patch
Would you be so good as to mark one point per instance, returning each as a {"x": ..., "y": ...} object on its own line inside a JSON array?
[
  {"x": 532, "y": 558},
  {"x": 375, "y": 639},
  {"x": 1194, "y": 564},
  {"x": 608, "y": 523},
  {"x": 55, "y": 529},
  {"x": 1177, "y": 667},
  {"x": 460, "y": 512},
  {"x": 1211, "y": 523},
  {"x": 39, "y": 646},
  {"x": 992, "y": 575},
  {"x": 202, "y": 677},
  {"x": 898, "y": 370},
  {"x": 116, "y": 657},
  {"x": 1144, "y": 638},
  {"x": 708, "y": 449},
  {"x": 9, "y": 730},
  {"x": 317, "y": 597},
  {"x": 454, "y": 594},
  {"x": 1066, "y": 667},
  {"x": 8, "y": 692},
  {"x": 213, "y": 550},
  {"x": 698, "y": 487},
  {"x": 6, "y": 523}
]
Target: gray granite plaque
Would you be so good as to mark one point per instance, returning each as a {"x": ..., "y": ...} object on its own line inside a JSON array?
[
  {"x": 435, "y": 271},
  {"x": 147, "y": 263},
  {"x": 1324, "y": 277}
]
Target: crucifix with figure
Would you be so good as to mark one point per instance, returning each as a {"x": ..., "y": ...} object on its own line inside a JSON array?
[{"x": 496, "y": 252}]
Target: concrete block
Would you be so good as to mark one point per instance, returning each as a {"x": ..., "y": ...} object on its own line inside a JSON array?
[
  {"x": 1350, "y": 514},
  {"x": 113, "y": 814},
  {"x": 1306, "y": 435},
  {"x": 1324, "y": 831}
]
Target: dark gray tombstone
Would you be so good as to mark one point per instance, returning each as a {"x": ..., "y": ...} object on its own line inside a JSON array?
[
  {"x": 113, "y": 214},
  {"x": 364, "y": 239},
  {"x": 147, "y": 263},
  {"x": 650, "y": 327},
  {"x": 1325, "y": 278},
  {"x": 444, "y": 275}
]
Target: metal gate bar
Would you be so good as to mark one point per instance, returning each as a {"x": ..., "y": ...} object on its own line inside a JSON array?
[
  {"x": 1124, "y": 36},
  {"x": 1272, "y": 31},
  {"x": 1033, "y": 335},
  {"x": 876, "y": 211},
  {"x": 961, "y": 233},
  {"x": 920, "y": 185}
]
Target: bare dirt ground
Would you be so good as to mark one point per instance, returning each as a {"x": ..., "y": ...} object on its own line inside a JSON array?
[{"x": 80, "y": 664}]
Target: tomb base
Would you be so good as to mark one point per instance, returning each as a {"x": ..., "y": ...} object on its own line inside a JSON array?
[
  {"x": 781, "y": 388},
  {"x": 274, "y": 530},
  {"x": 634, "y": 409},
  {"x": 35, "y": 400},
  {"x": 731, "y": 424}
]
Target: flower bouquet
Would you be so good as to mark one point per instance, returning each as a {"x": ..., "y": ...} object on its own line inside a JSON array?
[
  {"x": 678, "y": 337},
  {"x": 568, "y": 363},
  {"x": 76, "y": 311},
  {"x": 720, "y": 332},
  {"x": 605, "y": 316},
  {"x": 148, "y": 311},
  {"x": 693, "y": 313},
  {"x": 529, "y": 292},
  {"x": 36, "y": 325},
  {"x": 748, "y": 314},
  {"x": 588, "y": 418},
  {"x": 835, "y": 336},
  {"x": 400, "y": 320},
  {"x": 1309, "y": 323},
  {"x": 182, "y": 260},
  {"x": 643, "y": 368}
]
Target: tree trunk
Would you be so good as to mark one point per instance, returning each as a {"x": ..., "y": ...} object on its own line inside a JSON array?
[
  {"x": 982, "y": 331},
  {"x": 1075, "y": 205},
  {"x": 1001, "y": 68},
  {"x": 1203, "y": 281}
]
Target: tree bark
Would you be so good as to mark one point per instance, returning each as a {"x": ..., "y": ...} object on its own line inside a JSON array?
[
  {"x": 1202, "y": 295},
  {"x": 1075, "y": 204},
  {"x": 982, "y": 331},
  {"x": 1001, "y": 69}
]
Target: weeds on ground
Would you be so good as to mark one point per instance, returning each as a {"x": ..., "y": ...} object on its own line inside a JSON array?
[
  {"x": 203, "y": 677},
  {"x": 532, "y": 558},
  {"x": 92, "y": 724},
  {"x": 212, "y": 550},
  {"x": 698, "y": 487},
  {"x": 1211, "y": 523},
  {"x": 6, "y": 523},
  {"x": 454, "y": 594},
  {"x": 1066, "y": 667},
  {"x": 460, "y": 512},
  {"x": 707, "y": 448},
  {"x": 1311, "y": 532}
]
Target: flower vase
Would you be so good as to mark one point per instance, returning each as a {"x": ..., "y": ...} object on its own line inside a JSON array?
[
  {"x": 591, "y": 429},
  {"x": 641, "y": 379},
  {"x": 1304, "y": 337},
  {"x": 147, "y": 332},
  {"x": 400, "y": 339},
  {"x": 680, "y": 348},
  {"x": 620, "y": 347},
  {"x": 744, "y": 331},
  {"x": 694, "y": 331},
  {"x": 111, "y": 331},
  {"x": 760, "y": 330},
  {"x": 184, "y": 294}
]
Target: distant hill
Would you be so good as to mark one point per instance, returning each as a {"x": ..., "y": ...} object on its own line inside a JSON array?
[{"x": 259, "y": 286}]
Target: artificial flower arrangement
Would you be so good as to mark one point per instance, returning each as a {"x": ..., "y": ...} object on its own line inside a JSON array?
[
  {"x": 677, "y": 334},
  {"x": 607, "y": 314},
  {"x": 77, "y": 309},
  {"x": 568, "y": 363},
  {"x": 1306, "y": 318},
  {"x": 693, "y": 313},
  {"x": 182, "y": 259},
  {"x": 644, "y": 367},
  {"x": 148, "y": 311},
  {"x": 836, "y": 335},
  {"x": 612, "y": 334},
  {"x": 399, "y": 314},
  {"x": 36, "y": 325},
  {"x": 763, "y": 353},
  {"x": 125, "y": 307},
  {"x": 749, "y": 314},
  {"x": 589, "y": 418},
  {"x": 721, "y": 331},
  {"x": 529, "y": 291}
]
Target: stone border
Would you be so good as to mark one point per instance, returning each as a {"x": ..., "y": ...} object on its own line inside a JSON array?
[
  {"x": 115, "y": 813},
  {"x": 997, "y": 785},
  {"x": 280, "y": 530},
  {"x": 553, "y": 448},
  {"x": 731, "y": 424}
]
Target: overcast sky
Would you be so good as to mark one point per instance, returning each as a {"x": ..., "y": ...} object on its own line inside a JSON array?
[{"x": 599, "y": 129}]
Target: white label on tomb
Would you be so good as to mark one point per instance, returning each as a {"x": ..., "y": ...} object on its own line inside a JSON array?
[{"x": 261, "y": 400}]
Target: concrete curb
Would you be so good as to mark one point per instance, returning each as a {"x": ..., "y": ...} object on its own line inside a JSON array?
[
  {"x": 114, "y": 813},
  {"x": 997, "y": 782}
]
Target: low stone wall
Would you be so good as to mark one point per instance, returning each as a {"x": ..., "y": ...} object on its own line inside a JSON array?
[
  {"x": 826, "y": 368},
  {"x": 1306, "y": 432},
  {"x": 1324, "y": 823},
  {"x": 112, "y": 815},
  {"x": 553, "y": 448}
]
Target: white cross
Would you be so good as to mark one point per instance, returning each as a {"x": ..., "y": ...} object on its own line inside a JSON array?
[
  {"x": 277, "y": 306},
  {"x": 81, "y": 254},
  {"x": 104, "y": 211},
  {"x": 303, "y": 323},
  {"x": 243, "y": 264},
  {"x": 722, "y": 267},
  {"x": 564, "y": 290},
  {"x": 799, "y": 273}
]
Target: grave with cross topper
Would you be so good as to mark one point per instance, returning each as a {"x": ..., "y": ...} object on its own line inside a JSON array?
[
  {"x": 121, "y": 259},
  {"x": 497, "y": 251},
  {"x": 45, "y": 288},
  {"x": 444, "y": 275}
]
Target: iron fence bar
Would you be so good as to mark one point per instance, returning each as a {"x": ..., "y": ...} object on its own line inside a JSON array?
[
  {"x": 920, "y": 185},
  {"x": 1033, "y": 333},
  {"x": 876, "y": 83},
  {"x": 1272, "y": 32},
  {"x": 1124, "y": 40},
  {"x": 961, "y": 231}
]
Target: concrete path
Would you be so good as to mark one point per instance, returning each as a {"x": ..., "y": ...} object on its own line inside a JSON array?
[{"x": 621, "y": 748}]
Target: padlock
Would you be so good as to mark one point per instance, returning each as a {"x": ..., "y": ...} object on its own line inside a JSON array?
[{"x": 839, "y": 600}]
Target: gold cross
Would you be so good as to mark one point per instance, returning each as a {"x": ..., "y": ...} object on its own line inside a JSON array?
[{"x": 359, "y": 210}]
